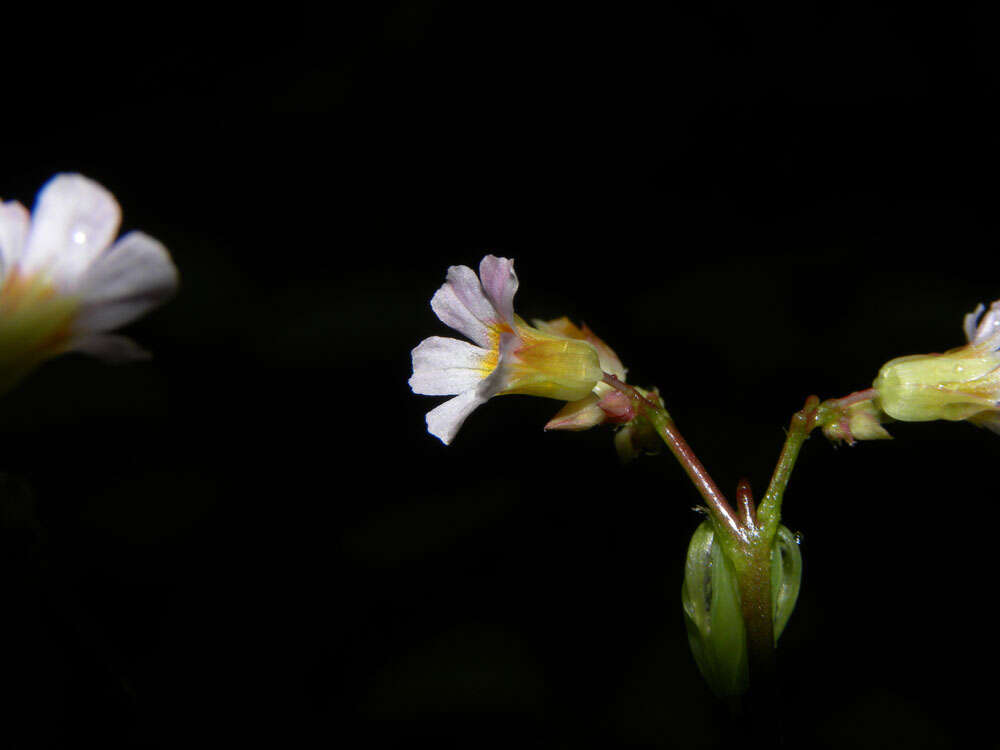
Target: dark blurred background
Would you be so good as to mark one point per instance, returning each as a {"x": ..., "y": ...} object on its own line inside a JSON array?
[{"x": 253, "y": 536}]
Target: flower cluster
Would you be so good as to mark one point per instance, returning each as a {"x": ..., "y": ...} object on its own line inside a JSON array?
[
  {"x": 65, "y": 283},
  {"x": 552, "y": 359}
]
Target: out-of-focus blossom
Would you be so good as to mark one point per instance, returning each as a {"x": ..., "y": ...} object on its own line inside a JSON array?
[
  {"x": 507, "y": 355},
  {"x": 65, "y": 283},
  {"x": 962, "y": 383}
]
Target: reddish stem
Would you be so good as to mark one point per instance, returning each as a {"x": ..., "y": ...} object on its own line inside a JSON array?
[
  {"x": 667, "y": 430},
  {"x": 744, "y": 501}
]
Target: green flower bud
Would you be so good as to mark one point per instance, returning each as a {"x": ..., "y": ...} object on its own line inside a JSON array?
[
  {"x": 711, "y": 600},
  {"x": 638, "y": 436},
  {"x": 962, "y": 383},
  {"x": 859, "y": 421}
]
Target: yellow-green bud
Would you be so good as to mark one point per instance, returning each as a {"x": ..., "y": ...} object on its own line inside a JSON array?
[
  {"x": 963, "y": 383},
  {"x": 859, "y": 421},
  {"x": 955, "y": 385}
]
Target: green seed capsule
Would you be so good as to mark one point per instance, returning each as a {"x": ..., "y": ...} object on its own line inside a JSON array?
[{"x": 711, "y": 600}]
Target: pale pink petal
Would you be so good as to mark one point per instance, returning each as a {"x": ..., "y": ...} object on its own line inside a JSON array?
[
  {"x": 109, "y": 347},
  {"x": 969, "y": 323},
  {"x": 135, "y": 275},
  {"x": 445, "y": 421},
  {"x": 14, "y": 221},
  {"x": 500, "y": 283},
  {"x": 444, "y": 367},
  {"x": 461, "y": 304},
  {"x": 988, "y": 327},
  {"x": 74, "y": 221}
]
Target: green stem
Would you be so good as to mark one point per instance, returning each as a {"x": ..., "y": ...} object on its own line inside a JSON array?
[
  {"x": 753, "y": 576},
  {"x": 747, "y": 547},
  {"x": 802, "y": 424},
  {"x": 804, "y": 421},
  {"x": 749, "y": 536}
]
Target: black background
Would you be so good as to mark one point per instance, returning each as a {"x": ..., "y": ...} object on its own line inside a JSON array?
[{"x": 254, "y": 537}]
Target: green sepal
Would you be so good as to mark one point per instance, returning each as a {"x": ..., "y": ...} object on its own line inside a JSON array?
[
  {"x": 715, "y": 628},
  {"x": 786, "y": 577}
]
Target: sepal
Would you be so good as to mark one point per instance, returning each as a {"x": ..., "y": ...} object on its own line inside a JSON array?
[{"x": 715, "y": 628}]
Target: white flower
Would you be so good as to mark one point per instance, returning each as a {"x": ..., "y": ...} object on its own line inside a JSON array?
[
  {"x": 65, "y": 282},
  {"x": 508, "y": 355}
]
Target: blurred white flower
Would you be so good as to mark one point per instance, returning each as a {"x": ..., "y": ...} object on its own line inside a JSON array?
[{"x": 65, "y": 283}]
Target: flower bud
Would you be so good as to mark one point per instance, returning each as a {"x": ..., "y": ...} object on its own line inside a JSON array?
[
  {"x": 712, "y": 609},
  {"x": 962, "y": 383},
  {"x": 635, "y": 439},
  {"x": 952, "y": 386},
  {"x": 636, "y": 436},
  {"x": 860, "y": 421}
]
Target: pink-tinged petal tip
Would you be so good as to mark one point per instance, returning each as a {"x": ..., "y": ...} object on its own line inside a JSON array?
[{"x": 500, "y": 283}]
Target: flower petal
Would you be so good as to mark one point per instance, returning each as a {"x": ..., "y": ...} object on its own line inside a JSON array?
[
  {"x": 74, "y": 221},
  {"x": 988, "y": 326},
  {"x": 970, "y": 320},
  {"x": 500, "y": 283},
  {"x": 444, "y": 367},
  {"x": 445, "y": 421},
  {"x": 109, "y": 347},
  {"x": 14, "y": 222},
  {"x": 462, "y": 304},
  {"x": 135, "y": 275}
]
